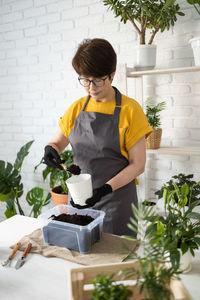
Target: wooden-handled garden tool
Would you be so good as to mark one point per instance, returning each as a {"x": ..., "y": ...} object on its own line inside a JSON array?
[{"x": 7, "y": 262}]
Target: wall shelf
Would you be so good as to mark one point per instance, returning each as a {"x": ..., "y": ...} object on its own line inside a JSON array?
[
  {"x": 175, "y": 151},
  {"x": 133, "y": 73}
]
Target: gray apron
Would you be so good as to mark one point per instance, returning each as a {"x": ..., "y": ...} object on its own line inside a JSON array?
[{"x": 96, "y": 146}]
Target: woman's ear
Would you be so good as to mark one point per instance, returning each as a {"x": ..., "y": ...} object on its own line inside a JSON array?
[{"x": 112, "y": 75}]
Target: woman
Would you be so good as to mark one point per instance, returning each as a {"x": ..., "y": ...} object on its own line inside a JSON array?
[{"x": 107, "y": 133}]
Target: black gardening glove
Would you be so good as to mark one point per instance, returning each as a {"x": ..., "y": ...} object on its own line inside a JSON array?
[
  {"x": 97, "y": 195},
  {"x": 52, "y": 158}
]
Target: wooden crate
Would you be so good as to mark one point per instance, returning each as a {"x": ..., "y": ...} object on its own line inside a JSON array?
[{"x": 80, "y": 278}]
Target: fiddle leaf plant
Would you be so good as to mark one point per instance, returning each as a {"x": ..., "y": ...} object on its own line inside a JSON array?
[
  {"x": 11, "y": 186},
  {"x": 149, "y": 14}
]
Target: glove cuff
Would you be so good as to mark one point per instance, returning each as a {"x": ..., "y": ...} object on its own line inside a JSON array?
[{"x": 106, "y": 189}]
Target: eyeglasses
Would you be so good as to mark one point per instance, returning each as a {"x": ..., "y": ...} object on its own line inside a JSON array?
[{"x": 97, "y": 81}]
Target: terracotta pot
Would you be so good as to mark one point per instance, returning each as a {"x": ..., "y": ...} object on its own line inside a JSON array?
[{"x": 57, "y": 197}]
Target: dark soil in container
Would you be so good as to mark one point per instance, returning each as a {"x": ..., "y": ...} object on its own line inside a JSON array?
[{"x": 73, "y": 219}]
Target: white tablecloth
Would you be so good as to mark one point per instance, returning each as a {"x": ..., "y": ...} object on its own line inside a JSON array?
[{"x": 43, "y": 278}]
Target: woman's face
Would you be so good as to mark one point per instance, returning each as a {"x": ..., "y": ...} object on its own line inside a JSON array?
[{"x": 99, "y": 88}]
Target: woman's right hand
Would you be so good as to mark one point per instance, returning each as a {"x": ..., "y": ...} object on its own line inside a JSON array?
[{"x": 52, "y": 158}]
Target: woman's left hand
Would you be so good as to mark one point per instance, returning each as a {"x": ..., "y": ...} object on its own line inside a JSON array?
[{"x": 98, "y": 193}]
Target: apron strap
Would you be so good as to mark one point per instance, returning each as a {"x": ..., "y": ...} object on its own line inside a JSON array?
[
  {"x": 118, "y": 100},
  {"x": 86, "y": 102}
]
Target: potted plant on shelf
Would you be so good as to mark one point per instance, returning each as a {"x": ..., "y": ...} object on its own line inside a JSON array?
[
  {"x": 57, "y": 178},
  {"x": 179, "y": 180},
  {"x": 11, "y": 187},
  {"x": 153, "y": 116},
  {"x": 179, "y": 229},
  {"x": 152, "y": 15}
]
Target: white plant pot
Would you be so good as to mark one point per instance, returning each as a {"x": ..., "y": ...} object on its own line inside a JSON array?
[
  {"x": 185, "y": 262},
  {"x": 195, "y": 44},
  {"x": 145, "y": 57}
]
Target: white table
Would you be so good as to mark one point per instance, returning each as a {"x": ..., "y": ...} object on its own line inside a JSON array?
[
  {"x": 43, "y": 278},
  {"x": 40, "y": 278}
]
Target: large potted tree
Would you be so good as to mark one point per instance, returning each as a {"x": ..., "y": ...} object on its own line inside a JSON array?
[{"x": 155, "y": 16}]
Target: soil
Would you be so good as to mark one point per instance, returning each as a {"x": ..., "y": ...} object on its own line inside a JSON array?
[
  {"x": 74, "y": 169},
  {"x": 73, "y": 219}
]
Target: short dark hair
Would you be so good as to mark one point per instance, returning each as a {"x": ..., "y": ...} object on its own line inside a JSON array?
[{"x": 95, "y": 57}]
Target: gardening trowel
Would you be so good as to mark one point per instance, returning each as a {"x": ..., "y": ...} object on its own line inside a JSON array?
[
  {"x": 22, "y": 259},
  {"x": 8, "y": 261},
  {"x": 73, "y": 169}
]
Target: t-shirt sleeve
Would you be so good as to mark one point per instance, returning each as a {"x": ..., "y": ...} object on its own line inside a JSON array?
[
  {"x": 66, "y": 122},
  {"x": 138, "y": 125}
]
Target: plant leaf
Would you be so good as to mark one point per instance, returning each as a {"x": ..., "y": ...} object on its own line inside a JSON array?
[{"x": 23, "y": 152}]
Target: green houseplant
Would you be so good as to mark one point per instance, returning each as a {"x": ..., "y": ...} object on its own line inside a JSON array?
[
  {"x": 153, "y": 274},
  {"x": 57, "y": 178},
  {"x": 144, "y": 15},
  {"x": 179, "y": 229},
  {"x": 11, "y": 187},
  {"x": 105, "y": 289},
  {"x": 153, "y": 117},
  {"x": 179, "y": 180}
]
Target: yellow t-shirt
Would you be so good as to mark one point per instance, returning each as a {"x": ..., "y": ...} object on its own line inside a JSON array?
[{"x": 133, "y": 123}]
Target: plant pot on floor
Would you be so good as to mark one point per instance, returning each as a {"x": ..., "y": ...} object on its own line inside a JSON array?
[
  {"x": 185, "y": 262},
  {"x": 58, "y": 196},
  {"x": 154, "y": 138}
]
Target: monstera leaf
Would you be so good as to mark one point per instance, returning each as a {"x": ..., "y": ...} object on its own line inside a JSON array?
[
  {"x": 23, "y": 152},
  {"x": 36, "y": 198},
  {"x": 9, "y": 179}
]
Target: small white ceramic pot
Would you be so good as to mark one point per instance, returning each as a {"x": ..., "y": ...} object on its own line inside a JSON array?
[
  {"x": 185, "y": 261},
  {"x": 145, "y": 57},
  {"x": 195, "y": 44}
]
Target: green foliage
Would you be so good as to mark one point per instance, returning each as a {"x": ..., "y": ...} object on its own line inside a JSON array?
[
  {"x": 36, "y": 198},
  {"x": 155, "y": 15},
  {"x": 180, "y": 227},
  {"x": 180, "y": 179},
  {"x": 105, "y": 288},
  {"x": 152, "y": 113},
  {"x": 196, "y": 4},
  {"x": 151, "y": 272},
  {"x": 57, "y": 176},
  {"x": 11, "y": 187}
]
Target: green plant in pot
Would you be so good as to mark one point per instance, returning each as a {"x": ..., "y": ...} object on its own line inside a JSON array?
[
  {"x": 178, "y": 230},
  {"x": 11, "y": 187},
  {"x": 146, "y": 15},
  {"x": 179, "y": 180},
  {"x": 153, "y": 116},
  {"x": 57, "y": 178},
  {"x": 153, "y": 275}
]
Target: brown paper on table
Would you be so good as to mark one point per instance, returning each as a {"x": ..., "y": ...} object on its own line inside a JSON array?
[{"x": 107, "y": 250}]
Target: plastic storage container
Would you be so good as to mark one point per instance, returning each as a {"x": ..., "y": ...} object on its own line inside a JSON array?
[{"x": 74, "y": 237}]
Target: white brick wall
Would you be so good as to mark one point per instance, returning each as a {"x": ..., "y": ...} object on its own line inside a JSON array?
[{"x": 37, "y": 83}]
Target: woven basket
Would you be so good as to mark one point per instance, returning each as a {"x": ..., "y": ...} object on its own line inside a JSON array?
[{"x": 153, "y": 139}]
